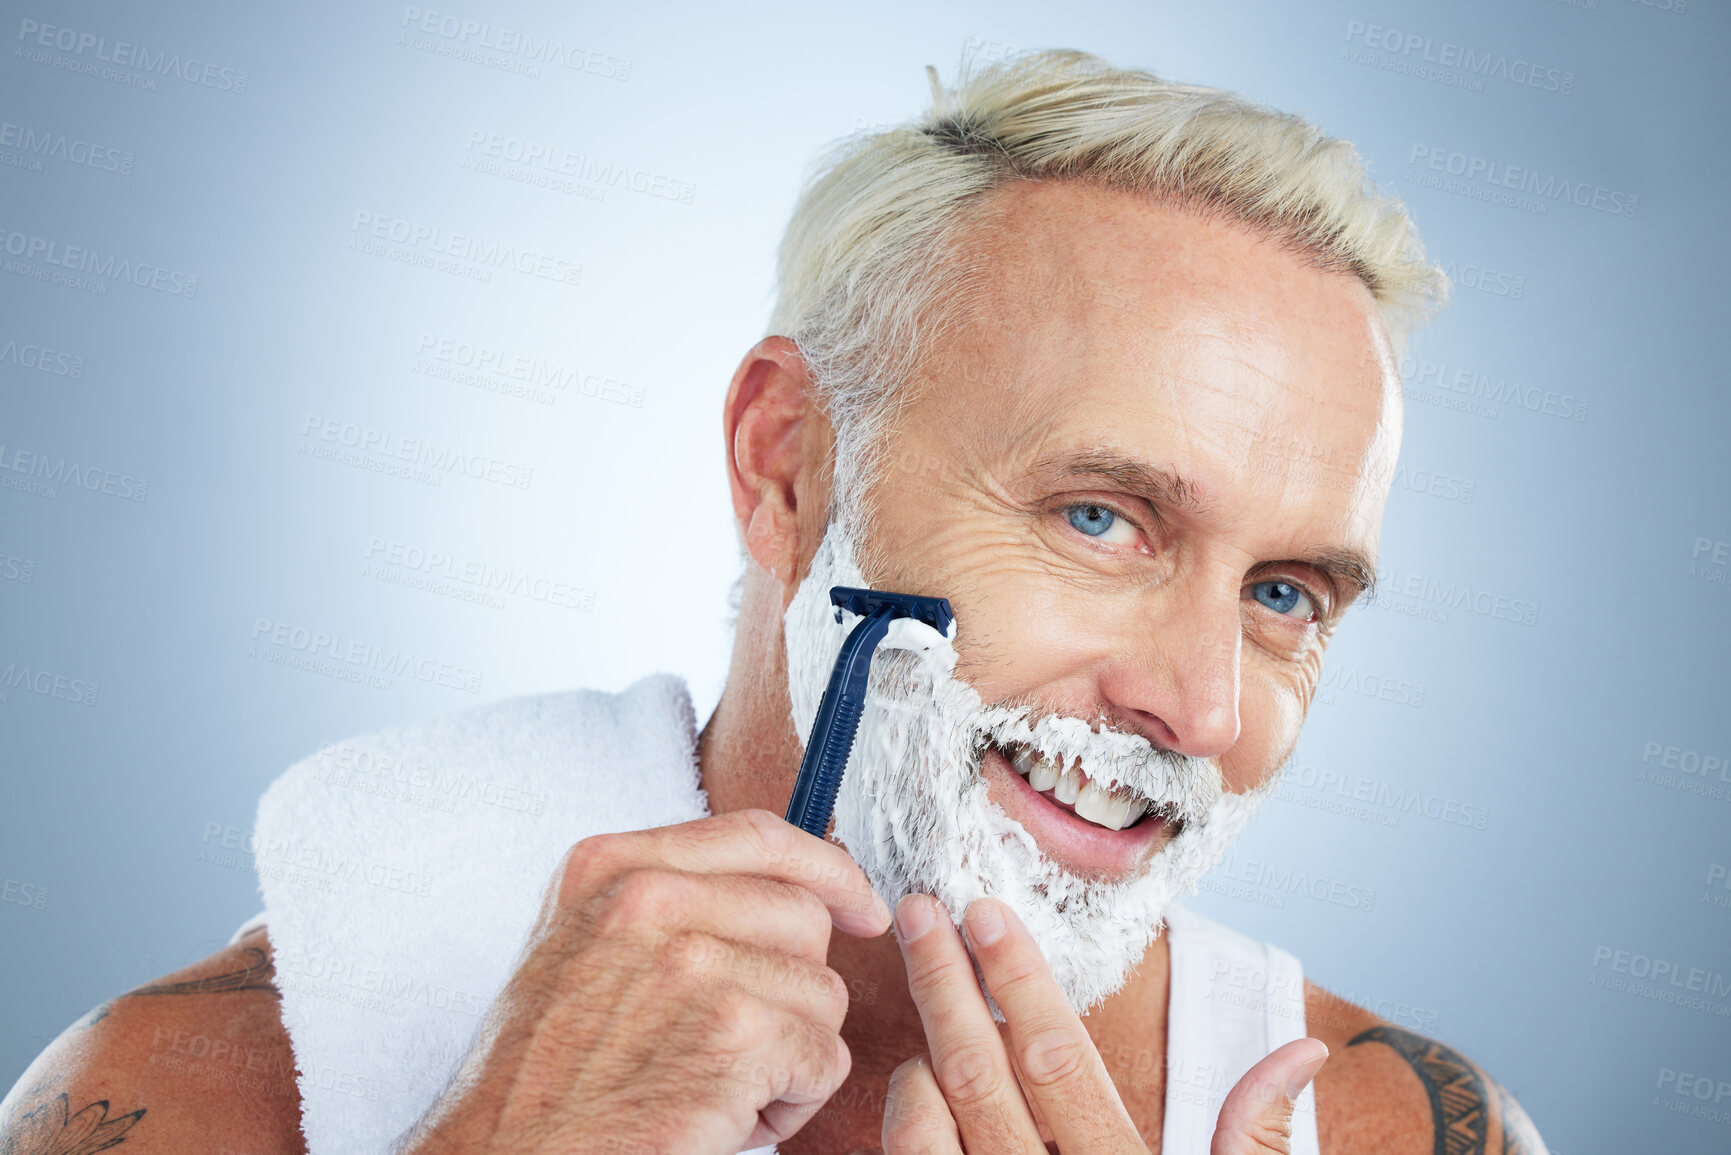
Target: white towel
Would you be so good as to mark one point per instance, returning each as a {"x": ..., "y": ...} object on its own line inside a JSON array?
[{"x": 401, "y": 872}]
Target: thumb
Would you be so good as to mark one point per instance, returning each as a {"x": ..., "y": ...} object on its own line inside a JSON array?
[{"x": 1256, "y": 1118}]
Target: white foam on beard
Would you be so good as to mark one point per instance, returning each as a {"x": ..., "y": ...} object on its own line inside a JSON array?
[{"x": 913, "y": 807}]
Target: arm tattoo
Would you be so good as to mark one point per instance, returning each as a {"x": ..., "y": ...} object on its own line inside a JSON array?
[
  {"x": 1520, "y": 1137},
  {"x": 255, "y": 976},
  {"x": 1459, "y": 1104},
  {"x": 51, "y": 1130}
]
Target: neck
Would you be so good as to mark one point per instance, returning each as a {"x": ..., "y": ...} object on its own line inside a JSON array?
[{"x": 748, "y": 756}]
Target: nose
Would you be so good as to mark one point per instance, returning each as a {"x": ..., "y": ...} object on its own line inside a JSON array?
[{"x": 1177, "y": 674}]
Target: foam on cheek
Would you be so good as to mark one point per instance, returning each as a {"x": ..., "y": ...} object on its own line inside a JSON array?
[{"x": 915, "y": 813}]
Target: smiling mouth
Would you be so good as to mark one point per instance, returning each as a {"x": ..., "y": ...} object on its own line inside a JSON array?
[{"x": 1070, "y": 790}]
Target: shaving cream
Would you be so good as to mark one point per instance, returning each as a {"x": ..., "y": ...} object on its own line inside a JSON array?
[{"x": 913, "y": 809}]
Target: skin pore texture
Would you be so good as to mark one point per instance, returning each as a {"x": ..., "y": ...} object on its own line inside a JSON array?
[{"x": 1145, "y": 467}]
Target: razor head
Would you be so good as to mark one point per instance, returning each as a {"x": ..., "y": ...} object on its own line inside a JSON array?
[{"x": 934, "y": 612}]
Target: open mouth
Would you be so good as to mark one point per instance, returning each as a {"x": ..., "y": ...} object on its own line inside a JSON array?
[{"x": 1069, "y": 789}]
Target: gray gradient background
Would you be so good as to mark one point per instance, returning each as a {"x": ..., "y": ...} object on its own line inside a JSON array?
[{"x": 1488, "y": 938}]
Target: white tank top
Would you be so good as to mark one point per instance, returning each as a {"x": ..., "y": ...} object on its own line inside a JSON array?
[{"x": 1233, "y": 1001}]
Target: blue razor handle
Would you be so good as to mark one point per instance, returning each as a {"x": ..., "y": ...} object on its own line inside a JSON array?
[{"x": 832, "y": 734}]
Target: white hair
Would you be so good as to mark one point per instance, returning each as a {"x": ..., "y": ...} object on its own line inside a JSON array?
[{"x": 870, "y": 271}]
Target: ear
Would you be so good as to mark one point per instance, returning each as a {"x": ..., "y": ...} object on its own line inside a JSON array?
[{"x": 778, "y": 458}]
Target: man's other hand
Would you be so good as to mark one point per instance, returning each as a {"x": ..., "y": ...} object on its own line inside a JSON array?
[
  {"x": 673, "y": 995},
  {"x": 982, "y": 1089}
]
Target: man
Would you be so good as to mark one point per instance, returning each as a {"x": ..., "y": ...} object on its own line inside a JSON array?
[{"x": 1110, "y": 364}]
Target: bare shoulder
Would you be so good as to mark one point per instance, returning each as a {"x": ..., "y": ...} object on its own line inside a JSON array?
[
  {"x": 197, "y": 1060},
  {"x": 1391, "y": 1091}
]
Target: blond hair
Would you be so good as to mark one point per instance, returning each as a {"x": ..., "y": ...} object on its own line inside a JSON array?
[{"x": 868, "y": 275}]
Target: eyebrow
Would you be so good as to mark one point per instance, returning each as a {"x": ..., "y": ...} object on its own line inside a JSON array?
[{"x": 1350, "y": 569}]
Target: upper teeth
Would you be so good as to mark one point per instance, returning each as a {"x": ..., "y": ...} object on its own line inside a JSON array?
[{"x": 1114, "y": 809}]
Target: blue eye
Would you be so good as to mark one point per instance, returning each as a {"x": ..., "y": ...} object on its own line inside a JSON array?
[
  {"x": 1093, "y": 520},
  {"x": 1283, "y": 598}
]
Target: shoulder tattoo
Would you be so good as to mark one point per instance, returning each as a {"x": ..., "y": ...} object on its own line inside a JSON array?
[
  {"x": 51, "y": 1129},
  {"x": 1462, "y": 1100},
  {"x": 256, "y": 975}
]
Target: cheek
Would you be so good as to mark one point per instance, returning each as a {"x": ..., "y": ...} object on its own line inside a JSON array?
[
  {"x": 1270, "y": 712},
  {"x": 1026, "y": 634}
]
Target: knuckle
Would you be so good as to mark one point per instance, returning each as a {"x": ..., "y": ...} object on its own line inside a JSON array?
[
  {"x": 766, "y": 833},
  {"x": 690, "y": 955},
  {"x": 829, "y": 991},
  {"x": 824, "y": 1057},
  {"x": 639, "y": 900},
  {"x": 1053, "y": 1057},
  {"x": 587, "y": 863},
  {"x": 735, "y": 1021},
  {"x": 833, "y": 987},
  {"x": 968, "y": 1075}
]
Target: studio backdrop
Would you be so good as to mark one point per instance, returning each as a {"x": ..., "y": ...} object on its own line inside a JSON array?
[{"x": 363, "y": 361}]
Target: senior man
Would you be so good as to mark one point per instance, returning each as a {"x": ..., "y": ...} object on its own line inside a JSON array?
[{"x": 1111, "y": 365}]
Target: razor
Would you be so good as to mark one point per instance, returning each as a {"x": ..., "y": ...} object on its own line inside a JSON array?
[{"x": 832, "y": 734}]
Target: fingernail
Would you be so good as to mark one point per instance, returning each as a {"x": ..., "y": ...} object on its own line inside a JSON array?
[
  {"x": 914, "y": 917},
  {"x": 1300, "y": 1078},
  {"x": 985, "y": 922}
]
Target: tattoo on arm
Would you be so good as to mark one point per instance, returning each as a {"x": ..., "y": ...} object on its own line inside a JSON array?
[
  {"x": 1459, "y": 1103},
  {"x": 51, "y": 1129},
  {"x": 255, "y": 976},
  {"x": 1520, "y": 1137}
]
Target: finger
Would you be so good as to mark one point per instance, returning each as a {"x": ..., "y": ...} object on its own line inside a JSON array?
[
  {"x": 693, "y": 959},
  {"x": 1256, "y": 1118},
  {"x": 739, "y": 842},
  {"x": 969, "y": 1063},
  {"x": 1059, "y": 1066},
  {"x": 917, "y": 1120},
  {"x": 791, "y": 1068},
  {"x": 756, "y": 911}
]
